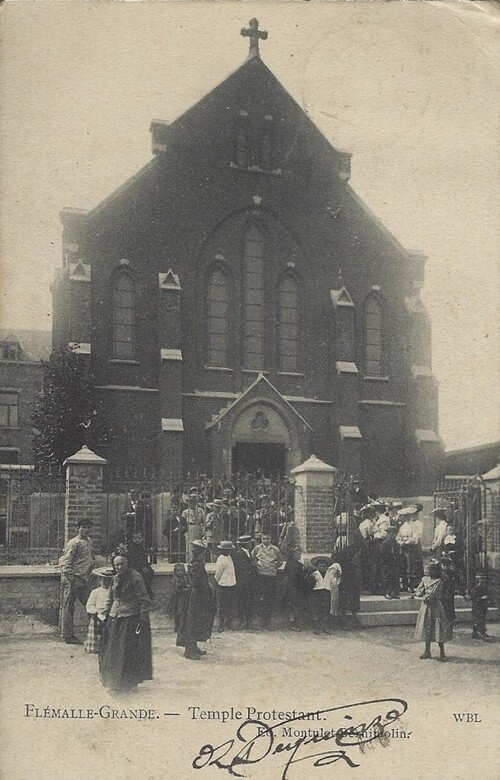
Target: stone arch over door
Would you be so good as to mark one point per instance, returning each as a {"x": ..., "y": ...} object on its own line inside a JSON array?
[{"x": 262, "y": 423}]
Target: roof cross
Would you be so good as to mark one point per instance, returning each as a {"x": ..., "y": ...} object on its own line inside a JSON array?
[{"x": 254, "y": 34}]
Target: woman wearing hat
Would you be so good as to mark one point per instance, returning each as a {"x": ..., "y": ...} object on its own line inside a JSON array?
[
  {"x": 197, "y": 619},
  {"x": 127, "y": 659},
  {"x": 408, "y": 538},
  {"x": 432, "y": 624},
  {"x": 96, "y": 610},
  {"x": 440, "y": 515}
]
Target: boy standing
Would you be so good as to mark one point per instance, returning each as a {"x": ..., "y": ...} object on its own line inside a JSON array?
[
  {"x": 225, "y": 577},
  {"x": 267, "y": 560}
]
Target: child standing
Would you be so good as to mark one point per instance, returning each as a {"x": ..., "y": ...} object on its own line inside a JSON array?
[
  {"x": 319, "y": 595},
  {"x": 432, "y": 624},
  {"x": 332, "y": 581},
  {"x": 479, "y": 596},
  {"x": 96, "y": 609},
  {"x": 181, "y": 587}
]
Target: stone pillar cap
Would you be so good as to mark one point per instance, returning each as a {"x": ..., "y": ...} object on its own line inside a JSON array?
[
  {"x": 85, "y": 456},
  {"x": 314, "y": 464}
]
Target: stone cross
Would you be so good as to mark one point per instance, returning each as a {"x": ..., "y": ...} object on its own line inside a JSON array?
[{"x": 254, "y": 34}]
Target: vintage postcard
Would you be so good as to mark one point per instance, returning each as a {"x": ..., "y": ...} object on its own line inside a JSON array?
[{"x": 249, "y": 448}]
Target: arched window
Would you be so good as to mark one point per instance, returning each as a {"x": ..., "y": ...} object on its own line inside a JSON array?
[
  {"x": 288, "y": 319},
  {"x": 218, "y": 319},
  {"x": 123, "y": 317},
  {"x": 253, "y": 299},
  {"x": 374, "y": 337}
]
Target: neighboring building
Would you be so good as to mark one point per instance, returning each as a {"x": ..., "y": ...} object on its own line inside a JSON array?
[
  {"x": 21, "y": 379},
  {"x": 242, "y": 308},
  {"x": 471, "y": 460}
]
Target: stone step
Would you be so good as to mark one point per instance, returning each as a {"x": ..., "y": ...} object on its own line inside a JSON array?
[
  {"x": 409, "y": 617},
  {"x": 403, "y": 604}
]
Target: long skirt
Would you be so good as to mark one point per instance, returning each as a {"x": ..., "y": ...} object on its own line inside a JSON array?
[
  {"x": 432, "y": 624},
  {"x": 127, "y": 659}
]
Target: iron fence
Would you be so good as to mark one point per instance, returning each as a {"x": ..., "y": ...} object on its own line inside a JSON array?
[
  {"x": 31, "y": 515},
  {"x": 464, "y": 499}
]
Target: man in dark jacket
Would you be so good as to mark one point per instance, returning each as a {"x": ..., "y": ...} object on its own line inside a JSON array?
[
  {"x": 245, "y": 580},
  {"x": 389, "y": 564}
]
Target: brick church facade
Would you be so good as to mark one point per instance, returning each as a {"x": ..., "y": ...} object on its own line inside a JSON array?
[{"x": 242, "y": 308}]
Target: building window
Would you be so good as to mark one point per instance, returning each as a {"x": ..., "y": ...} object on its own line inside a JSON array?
[
  {"x": 9, "y": 456},
  {"x": 123, "y": 317},
  {"x": 241, "y": 149},
  {"x": 218, "y": 319},
  {"x": 288, "y": 318},
  {"x": 10, "y": 350},
  {"x": 9, "y": 404},
  {"x": 374, "y": 338},
  {"x": 253, "y": 299}
]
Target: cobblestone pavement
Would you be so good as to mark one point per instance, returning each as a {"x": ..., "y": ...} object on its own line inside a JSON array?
[{"x": 261, "y": 670}]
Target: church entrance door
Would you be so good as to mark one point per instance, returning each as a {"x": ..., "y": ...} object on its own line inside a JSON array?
[{"x": 268, "y": 460}]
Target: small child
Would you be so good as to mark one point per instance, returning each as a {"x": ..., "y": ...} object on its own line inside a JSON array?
[
  {"x": 432, "y": 624},
  {"x": 96, "y": 609},
  {"x": 319, "y": 594},
  {"x": 479, "y": 597},
  {"x": 182, "y": 585},
  {"x": 332, "y": 579}
]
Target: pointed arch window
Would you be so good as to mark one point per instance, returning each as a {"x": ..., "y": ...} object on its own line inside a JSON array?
[
  {"x": 374, "y": 337},
  {"x": 218, "y": 319},
  {"x": 253, "y": 299},
  {"x": 123, "y": 317},
  {"x": 288, "y": 319}
]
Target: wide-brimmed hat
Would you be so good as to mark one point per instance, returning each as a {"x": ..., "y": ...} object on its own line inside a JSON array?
[
  {"x": 396, "y": 505},
  {"x": 441, "y": 512},
  {"x": 226, "y": 546},
  {"x": 245, "y": 539},
  {"x": 409, "y": 510},
  {"x": 217, "y": 502},
  {"x": 320, "y": 560},
  {"x": 104, "y": 571},
  {"x": 199, "y": 543}
]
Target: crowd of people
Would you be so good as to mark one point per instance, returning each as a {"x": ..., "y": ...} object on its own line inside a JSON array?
[{"x": 379, "y": 553}]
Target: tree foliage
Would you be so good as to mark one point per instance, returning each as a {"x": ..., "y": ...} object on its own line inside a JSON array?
[{"x": 67, "y": 412}]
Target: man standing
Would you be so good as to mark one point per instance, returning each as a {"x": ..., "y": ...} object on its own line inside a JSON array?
[
  {"x": 226, "y": 584},
  {"x": 194, "y": 519},
  {"x": 289, "y": 537},
  {"x": 268, "y": 560},
  {"x": 389, "y": 564},
  {"x": 409, "y": 536},
  {"x": 245, "y": 577},
  {"x": 76, "y": 565}
]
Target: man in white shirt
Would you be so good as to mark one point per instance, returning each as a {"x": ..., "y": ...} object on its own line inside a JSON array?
[
  {"x": 76, "y": 566},
  {"x": 225, "y": 576},
  {"x": 440, "y": 515},
  {"x": 408, "y": 538}
]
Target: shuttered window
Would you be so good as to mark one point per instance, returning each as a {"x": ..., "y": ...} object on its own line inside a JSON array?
[
  {"x": 123, "y": 318},
  {"x": 218, "y": 319},
  {"x": 288, "y": 318},
  {"x": 253, "y": 299}
]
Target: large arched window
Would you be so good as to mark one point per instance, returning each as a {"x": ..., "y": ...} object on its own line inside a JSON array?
[
  {"x": 374, "y": 337},
  {"x": 123, "y": 317},
  {"x": 288, "y": 320},
  {"x": 253, "y": 299},
  {"x": 218, "y": 319}
]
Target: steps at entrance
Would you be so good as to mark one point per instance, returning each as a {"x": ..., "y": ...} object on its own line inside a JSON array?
[{"x": 379, "y": 611}]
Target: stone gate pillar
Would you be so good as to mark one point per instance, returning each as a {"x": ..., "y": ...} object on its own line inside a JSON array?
[
  {"x": 84, "y": 473},
  {"x": 314, "y": 497}
]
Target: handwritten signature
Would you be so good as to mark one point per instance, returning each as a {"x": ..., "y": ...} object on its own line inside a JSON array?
[{"x": 255, "y": 740}]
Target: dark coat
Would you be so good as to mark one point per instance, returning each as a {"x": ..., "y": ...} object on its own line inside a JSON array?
[
  {"x": 197, "y": 619},
  {"x": 244, "y": 567}
]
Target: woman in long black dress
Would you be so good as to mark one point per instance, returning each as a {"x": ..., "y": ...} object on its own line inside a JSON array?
[
  {"x": 197, "y": 619},
  {"x": 127, "y": 659}
]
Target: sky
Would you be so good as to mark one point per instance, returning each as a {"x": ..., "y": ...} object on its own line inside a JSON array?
[{"x": 410, "y": 88}]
